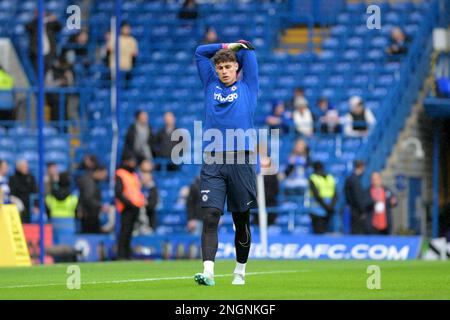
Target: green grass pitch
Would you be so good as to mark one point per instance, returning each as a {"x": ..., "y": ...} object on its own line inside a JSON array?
[{"x": 267, "y": 280}]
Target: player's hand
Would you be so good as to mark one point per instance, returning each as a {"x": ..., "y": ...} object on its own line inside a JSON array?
[{"x": 241, "y": 44}]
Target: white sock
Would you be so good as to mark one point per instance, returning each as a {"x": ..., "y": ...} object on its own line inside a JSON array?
[
  {"x": 208, "y": 268},
  {"x": 240, "y": 268}
]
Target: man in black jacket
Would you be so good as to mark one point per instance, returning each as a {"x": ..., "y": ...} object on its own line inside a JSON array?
[
  {"x": 22, "y": 184},
  {"x": 163, "y": 141},
  {"x": 139, "y": 138},
  {"x": 90, "y": 202},
  {"x": 357, "y": 199}
]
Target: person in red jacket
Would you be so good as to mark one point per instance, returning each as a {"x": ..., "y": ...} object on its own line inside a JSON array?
[
  {"x": 129, "y": 201},
  {"x": 382, "y": 201}
]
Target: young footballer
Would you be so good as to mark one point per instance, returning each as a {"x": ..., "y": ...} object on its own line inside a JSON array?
[{"x": 229, "y": 105}]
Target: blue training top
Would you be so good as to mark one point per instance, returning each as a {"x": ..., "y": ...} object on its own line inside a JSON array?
[{"x": 231, "y": 107}]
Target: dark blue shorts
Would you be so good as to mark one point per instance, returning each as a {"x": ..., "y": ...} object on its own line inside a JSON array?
[{"x": 235, "y": 182}]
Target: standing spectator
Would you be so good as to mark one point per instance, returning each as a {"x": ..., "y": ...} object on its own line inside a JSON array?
[
  {"x": 383, "y": 200},
  {"x": 22, "y": 185},
  {"x": 61, "y": 203},
  {"x": 194, "y": 208},
  {"x": 360, "y": 120},
  {"x": 326, "y": 117},
  {"x": 210, "y": 36},
  {"x": 164, "y": 143},
  {"x": 4, "y": 186},
  {"x": 51, "y": 179},
  {"x": 91, "y": 203},
  {"x": 296, "y": 169},
  {"x": 76, "y": 50},
  {"x": 302, "y": 116},
  {"x": 129, "y": 50},
  {"x": 129, "y": 201},
  {"x": 60, "y": 75},
  {"x": 279, "y": 118},
  {"x": 323, "y": 198},
  {"x": 271, "y": 190},
  {"x": 357, "y": 199},
  {"x": 51, "y": 29},
  {"x": 399, "y": 42},
  {"x": 188, "y": 10},
  {"x": 150, "y": 192},
  {"x": 139, "y": 138},
  {"x": 104, "y": 51}
]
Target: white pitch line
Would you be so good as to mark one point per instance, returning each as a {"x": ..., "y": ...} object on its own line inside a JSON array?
[{"x": 146, "y": 279}]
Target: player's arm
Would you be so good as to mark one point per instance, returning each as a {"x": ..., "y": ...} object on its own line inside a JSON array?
[
  {"x": 203, "y": 54},
  {"x": 247, "y": 60}
]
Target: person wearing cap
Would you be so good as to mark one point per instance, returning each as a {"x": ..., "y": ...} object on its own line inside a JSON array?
[
  {"x": 303, "y": 118},
  {"x": 129, "y": 201},
  {"x": 360, "y": 120}
]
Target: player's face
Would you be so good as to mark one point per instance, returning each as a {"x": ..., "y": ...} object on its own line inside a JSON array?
[{"x": 227, "y": 72}]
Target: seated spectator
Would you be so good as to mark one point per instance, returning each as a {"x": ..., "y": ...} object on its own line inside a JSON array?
[
  {"x": 382, "y": 201},
  {"x": 279, "y": 118},
  {"x": 302, "y": 117},
  {"x": 61, "y": 203},
  {"x": 60, "y": 75},
  {"x": 4, "y": 182},
  {"x": 399, "y": 42},
  {"x": 298, "y": 93},
  {"x": 22, "y": 185},
  {"x": 51, "y": 178},
  {"x": 129, "y": 51},
  {"x": 271, "y": 190},
  {"x": 194, "y": 208},
  {"x": 326, "y": 117},
  {"x": 296, "y": 169},
  {"x": 163, "y": 141},
  {"x": 90, "y": 202},
  {"x": 150, "y": 192},
  {"x": 76, "y": 49},
  {"x": 360, "y": 120},
  {"x": 188, "y": 10},
  {"x": 139, "y": 138},
  {"x": 210, "y": 36},
  {"x": 323, "y": 198}
]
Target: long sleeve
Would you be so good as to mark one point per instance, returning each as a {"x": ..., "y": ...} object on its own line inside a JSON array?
[
  {"x": 203, "y": 54},
  {"x": 247, "y": 59}
]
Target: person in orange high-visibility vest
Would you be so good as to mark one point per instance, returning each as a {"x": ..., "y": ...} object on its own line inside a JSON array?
[{"x": 129, "y": 200}]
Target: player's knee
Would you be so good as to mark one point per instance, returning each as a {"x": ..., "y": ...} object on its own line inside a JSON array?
[
  {"x": 211, "y": 219},
  {"x": 241, "y": 219}
]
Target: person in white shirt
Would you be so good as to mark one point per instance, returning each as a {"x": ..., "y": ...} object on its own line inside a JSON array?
[
  {"x": 360, "y": 120},
  {"x": 303, "y": 118}
]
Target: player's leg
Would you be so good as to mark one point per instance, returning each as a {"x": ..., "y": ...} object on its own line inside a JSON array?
[{"x": 242, "y": 241}]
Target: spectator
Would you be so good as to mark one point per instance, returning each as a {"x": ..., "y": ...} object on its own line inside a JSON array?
[
  {"x": 129, "y": 201},
  {"x": 76, "y": 49},
  {"x": 139, "y": 138},
  {"x": 51, "y": 179},
  {"x": 89, "y": 163},
  {"x": 326, "y": 117},
  {"x": 302, "y": 116},
  {"x": 4, "y": 186},
  {"x": 383, "y": 200},
  {"x": 6, "y": 95},
  {"x": 357, "y": 199},
  {"x": 360, "y": 120},
  {"x": 91, "y": 203},
  {"x": 296, "y": 169},
  {"x": 150, "y": 192},
  {"x": 188, "y": 10},
  {"x": 271, "y": 190},
  {"x": 146, "y": 166},
  {"x": 128, "y": 52},
  {"x": 210, "y": 36},
  {"x": 399, "y": 42},
  {"x": 323, "y": 198},
  {"x": 60, "y": 202},
  {"x": 279, "y": 118},
  {"x": 194, "y": 208},
  {"x": 23, "y": 185},
  {"x": 298, "y": 93},
  {"x": 105, "y": 51},
  {"x": 51, "y": 29},
  {"x": 60, "y": 75},
  {"x": 164, "y": 143}
]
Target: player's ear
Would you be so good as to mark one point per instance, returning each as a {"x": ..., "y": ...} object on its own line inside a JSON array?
[{"x": 236, "y": 66}]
